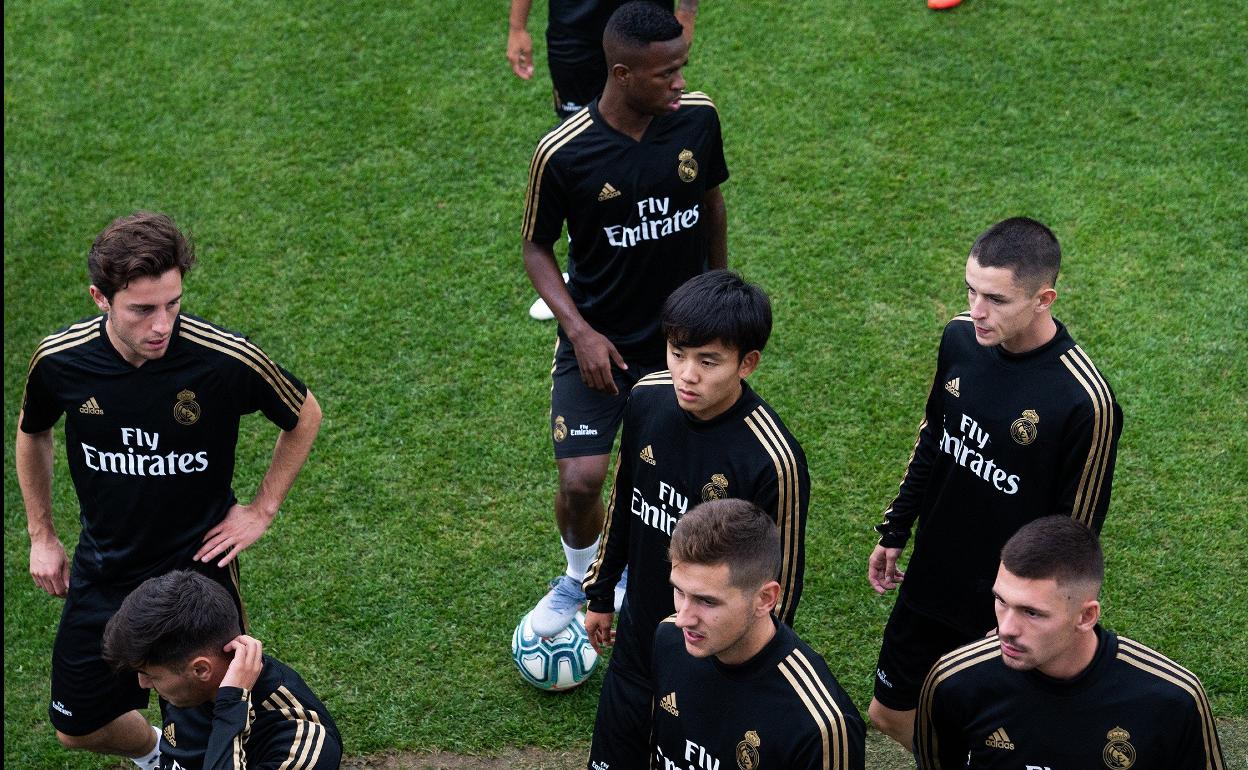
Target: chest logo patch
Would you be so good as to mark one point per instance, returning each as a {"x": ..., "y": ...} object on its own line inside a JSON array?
[
  {"x": 687, "y": 168},
  {"x": 91, "y": 406},
  {"x": 186, "y": 411},
  {"x": 169, "y": 736},
  {"x": 747, "y": 751},
  {"x": 953, "y": 385},
  {"x": 1025, "y": 429},
  {"x": 647, "y": 454},
  {"x": 561, "y": 429},
  {"x": 608, "y": 192},
  {"x": 1119, "y": 754},
  {"x": 716, "y": 489}
]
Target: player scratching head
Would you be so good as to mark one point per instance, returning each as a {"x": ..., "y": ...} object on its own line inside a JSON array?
[
  {"x": 136, "y": 267},
  {"x": 1046, "y": 597},
  {"x": 1010, "y": 278},
  {"x": 725, "y": 557},
  {"x": 645, "y": 51},
  {"x": 179, "y": 633},
  {"x": 716, "y": 325}
]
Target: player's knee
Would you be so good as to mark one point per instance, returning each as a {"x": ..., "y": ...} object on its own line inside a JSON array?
[
  {"x": 73, "y": 741},
  {"x": 895, "y": 724},
  {"x": 580, "y": 488}
]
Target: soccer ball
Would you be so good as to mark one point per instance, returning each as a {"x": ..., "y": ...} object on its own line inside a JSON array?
[{"x": 558, "y": 662}]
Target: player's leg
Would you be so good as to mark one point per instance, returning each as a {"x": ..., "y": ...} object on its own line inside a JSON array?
[
  {"x": 578, "y": 73},
  {"x": 94, "y": 708},
  {"x": 912, "y": 645}
]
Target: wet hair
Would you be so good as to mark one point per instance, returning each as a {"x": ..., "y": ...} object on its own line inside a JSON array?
[
  {"x": 1024, "y": 246},
  {"x": 733, "y": 532},
  {"x": 168, "y": 620},
  {"x": 142, "y": 245},
  {"x": 718, "y": 305},
  {"x": 1055, "y": 548},
  {"x": 638, "y": 24}
]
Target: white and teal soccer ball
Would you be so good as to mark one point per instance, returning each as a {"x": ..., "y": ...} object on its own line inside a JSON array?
[{"x": 558, "y": 662}]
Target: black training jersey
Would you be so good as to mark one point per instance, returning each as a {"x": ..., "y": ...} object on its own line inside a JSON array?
[
  {"x": 669, "y": 462},
  {"x": 583, "y": 20},
  {"x": 151, "y": 448},
  {"x": 279, "y": 723},
  {"x": 1131, "y": 708},
  {"x": 780, "y": 709},
  {"x": 634, "y": 212},
  {"x": 1005, "y": 439}
]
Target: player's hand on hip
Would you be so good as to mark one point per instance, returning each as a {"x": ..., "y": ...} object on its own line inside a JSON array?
[
  {"x": 520, "y": 53},
  {"x": 242, "y": 526},
  {"x": 595, "y": 355},
  {"x": 245, "y": 667},
  {"x": 49, "y": 566},
  {"x": 882, "y": 570},
  {"x": 598, "y": 626}
]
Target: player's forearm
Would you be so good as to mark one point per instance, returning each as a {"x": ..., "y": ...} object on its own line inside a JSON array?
[
  {"x": 229, "y": 721},
  {"x": 289, "y": 455},
  {"x": 518, "y": 19},
  {"x": 716, "y": 213},
  {"x": 34, "y": 475}
]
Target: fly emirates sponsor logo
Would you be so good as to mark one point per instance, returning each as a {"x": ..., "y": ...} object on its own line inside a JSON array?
[
  {"x": 656, "y": 223},
  {"x": 967, "y": 450},
  {"x": 142, "y": 458},
  {"x": 663, "y": 517}
]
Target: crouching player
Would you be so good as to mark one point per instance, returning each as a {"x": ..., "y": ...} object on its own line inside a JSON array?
[
  {"x": 223, "y": 702},
  {"x": 730, "y": 682}
]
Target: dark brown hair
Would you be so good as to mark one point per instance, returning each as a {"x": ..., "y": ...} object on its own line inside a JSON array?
[
  {"x": 1057, "y": 548},
  {"x": 142, "y": 245},
  {"x": 170, "y": 619},
  {"x": 733, "y": 532}
]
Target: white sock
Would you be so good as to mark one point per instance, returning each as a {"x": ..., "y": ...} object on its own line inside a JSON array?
[
  {"x": 579, "y": 559},
  {"x": 151, "y": 760}
]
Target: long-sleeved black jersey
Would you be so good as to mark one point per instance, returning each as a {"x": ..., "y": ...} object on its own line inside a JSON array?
[
  {"x": 634, "y": 213},
  {"x": 1132, "y": 707},
  {"x": 1005, "y": 440},
  {"x": 279, "y": 723},
  {"x": 780, "y": 709},
  {"x": 669, "y": 462}
]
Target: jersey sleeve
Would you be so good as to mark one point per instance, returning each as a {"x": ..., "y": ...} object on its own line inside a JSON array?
[
  {"x": 40, "y": 410},
  {"x": 545, "y": 204},
  {"x": 612, "y": 558},
  {"x": 718, "y": 167},
  {"x": 1087, "y": 467},
  {"x": 904, "y": 509},
  {"x": 288, "y": 734},
  {"x": 785, "y": 495},
  {"x": 231, "y": 717},
  {"x": 939, "y": 744}
]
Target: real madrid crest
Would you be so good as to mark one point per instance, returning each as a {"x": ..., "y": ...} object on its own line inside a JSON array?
[
  {"x": 1025, "y": 429},
  {"x": 1119, "y": 754},
  {"x": 186, "y": 411},
  {"x": 561, "y": 429},
  {"x": 716, "y": 489},
  {"x": 747, "y": 751},
  {"x": 687, "y": 168}
]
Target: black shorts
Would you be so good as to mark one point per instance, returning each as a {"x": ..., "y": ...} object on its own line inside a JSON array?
[
  {"x": 622, "y": 725},
  {"x": 583, "y": 421},
  {"x": 578, "y": 72},
  {"x": 87, "y": 693},
  {"x": 912, "y": 645}
]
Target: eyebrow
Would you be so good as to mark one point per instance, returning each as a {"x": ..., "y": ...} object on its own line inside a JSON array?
[{"x": 990, "y": 295}]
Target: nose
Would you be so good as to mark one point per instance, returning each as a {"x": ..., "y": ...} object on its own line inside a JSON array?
[
  {"x": 678, "y": 82},
  {"x": 164, "y": 322},
  {"x": 1006, "y": 624},
  {"x": 978, "y": 308},
  {"x": 684, "y": 618}
]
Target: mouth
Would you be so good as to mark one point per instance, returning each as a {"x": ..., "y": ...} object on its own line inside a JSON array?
[
  {"x": 1010, "y": 651},
  {"x": 693, "y": 637},
  {"x": 687, "y": 396}
]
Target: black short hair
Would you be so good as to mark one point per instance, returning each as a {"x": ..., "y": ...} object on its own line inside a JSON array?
[
  {"x": 168, "y": 620},
  {"x": 640, "y": 23},
  {"x": 733, "y": 532},
  {"x": 718, "y": 305},
  {"x": 1057, "y": 548},
  {"x": 1024, "y": 246}
]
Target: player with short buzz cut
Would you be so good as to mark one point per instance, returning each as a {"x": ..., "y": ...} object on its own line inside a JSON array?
[
  {"x": 694, "y": 432},
  {"x": 1052, "y": 688},
  {"x": 730, "y": 681},
  {"x": 225, "y": 704},
  {"x": 636, "y": 177},
  {"x": 152, "y": 399},
  {"x": 1019, "y": 424}
]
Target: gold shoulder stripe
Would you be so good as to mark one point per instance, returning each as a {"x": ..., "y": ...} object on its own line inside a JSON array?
[
  {"x": 822, "y": 707},
  {"x": 663, "y": 377},
  {"x": 1150, "y": 661},
  {"x": 249, "y": 348},
  {"x": 71, "y": 337},
  {"x": 698, "y": 98},
  {"x": 546, "y": 148},
  {"x": 591, "y": 575},
  {"x": 788, "y": 504},
  {"x": 1087, "y": 496},
  {"x": 669, "y": 619},
  {"x": 963, "y": 316},
  {"x": 967, "y": 656},
  {"x": 310, "y": 734},
  {"x": 253, "y": 357}
]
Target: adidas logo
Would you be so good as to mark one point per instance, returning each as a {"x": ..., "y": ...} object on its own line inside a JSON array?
[
  {"x": 669, "y": 704},
  {"x": 647, "y": 454},
  {"x": 999, "y": 740},
  {"x": 169, "y": 734},
  {"x": 91, "y": 406},
  {"x": 608, "y": 192},
  {"x": 953, "y": 385}
]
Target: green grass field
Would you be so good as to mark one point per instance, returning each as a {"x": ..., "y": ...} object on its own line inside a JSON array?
[{"x": 353, "y": 176}]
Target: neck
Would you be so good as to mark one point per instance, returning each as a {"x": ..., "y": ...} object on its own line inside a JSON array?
[
  {"x": 1077, "y": 659},
  {"x": 123, "y": 351},
  {"x": 623, "y": 118},
  {"x": 1040, "y": 333},
  {"x": 752, "y": 643}
]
